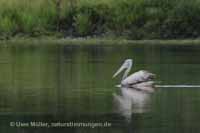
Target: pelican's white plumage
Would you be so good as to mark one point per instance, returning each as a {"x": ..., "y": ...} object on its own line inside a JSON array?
[{"x": 138, "y": 79}]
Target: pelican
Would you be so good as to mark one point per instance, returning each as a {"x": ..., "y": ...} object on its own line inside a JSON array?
[{"x": 140, "y": 79}]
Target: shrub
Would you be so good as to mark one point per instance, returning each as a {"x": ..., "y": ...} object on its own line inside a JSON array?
[
  {"x": 133, "y": 19},
  {"x": 83, "y": 24},
  {"x": 7, "y": 25}
]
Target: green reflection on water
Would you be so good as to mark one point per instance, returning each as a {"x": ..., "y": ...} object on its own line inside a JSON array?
[{"x": 63, "y": 83}]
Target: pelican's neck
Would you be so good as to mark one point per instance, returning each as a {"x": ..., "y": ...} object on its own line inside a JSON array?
[{"x": 126, "y": 72}]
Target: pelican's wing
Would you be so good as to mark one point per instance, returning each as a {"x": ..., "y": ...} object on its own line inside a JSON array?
[
  {"x": 144, "y": 86},
  {"x": 138, "y": 77}
]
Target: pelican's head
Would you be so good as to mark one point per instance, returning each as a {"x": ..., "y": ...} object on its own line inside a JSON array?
[{"x": 127, "y": 64}]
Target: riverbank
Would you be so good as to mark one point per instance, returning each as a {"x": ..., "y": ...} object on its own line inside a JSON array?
[
  {"x": 94, "y": 41},
  {"x": 129, "y": 19}
]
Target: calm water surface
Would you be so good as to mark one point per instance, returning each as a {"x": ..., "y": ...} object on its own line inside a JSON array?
[{"x": 56, "y": 83}]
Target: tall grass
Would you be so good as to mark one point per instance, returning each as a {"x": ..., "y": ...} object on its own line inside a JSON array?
[
  {"x": 132, "y": 19},
  {"x": 26, "y": 16}
]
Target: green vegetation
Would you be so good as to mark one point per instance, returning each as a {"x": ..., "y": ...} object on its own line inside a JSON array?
[{"x": 129, "y": 19}]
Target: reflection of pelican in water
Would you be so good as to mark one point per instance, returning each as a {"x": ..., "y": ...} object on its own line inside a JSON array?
[
  {"x": 138, "y": 80},
  {"x": 136, "y": 90},
  {"x": 131, "y": 101}
]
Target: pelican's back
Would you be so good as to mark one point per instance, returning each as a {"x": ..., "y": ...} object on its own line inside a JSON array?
[{"x": 138, "y": 77}]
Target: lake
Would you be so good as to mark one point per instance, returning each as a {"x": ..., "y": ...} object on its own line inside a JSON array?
[{"x": 62, "y": 85}]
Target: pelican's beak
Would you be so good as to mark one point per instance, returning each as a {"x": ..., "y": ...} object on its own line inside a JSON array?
[{"x": 119, "y": 70}]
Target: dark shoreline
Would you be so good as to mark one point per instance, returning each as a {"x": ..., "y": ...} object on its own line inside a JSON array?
[{"x": 96, "y": 41}]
